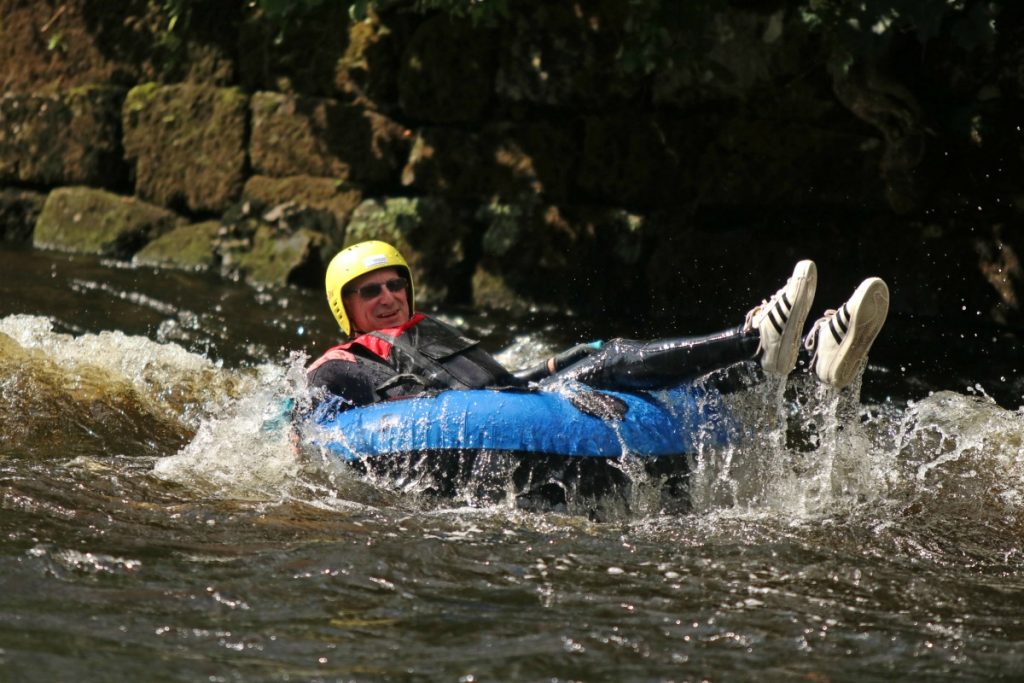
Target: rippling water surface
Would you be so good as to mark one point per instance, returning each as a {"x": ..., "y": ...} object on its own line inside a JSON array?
[{"x": 153, "y": 528}]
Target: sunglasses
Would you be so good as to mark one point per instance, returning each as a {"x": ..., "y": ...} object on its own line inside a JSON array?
[{"x": 372, "y": 291}]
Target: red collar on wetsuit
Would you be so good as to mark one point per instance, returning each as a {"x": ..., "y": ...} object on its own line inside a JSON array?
[{"x": 378, "y": 342}]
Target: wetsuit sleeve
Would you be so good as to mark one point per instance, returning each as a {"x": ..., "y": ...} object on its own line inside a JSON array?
[{"x": 354, "y": 382}]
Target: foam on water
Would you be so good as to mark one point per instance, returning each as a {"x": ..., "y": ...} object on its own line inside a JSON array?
[
  {"x": 247, "y": 450},
  {"x": 169, "y": 380},
  {"x": 805, "y": 451},
  {"x": 959, "y": 446},
  {"x": 828, "y": 454}
]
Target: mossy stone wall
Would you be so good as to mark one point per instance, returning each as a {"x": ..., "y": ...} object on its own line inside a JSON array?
[{"x": 510, "y": 157}]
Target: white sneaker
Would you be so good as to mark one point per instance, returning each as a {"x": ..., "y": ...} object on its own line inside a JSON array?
[
  {"x": 780, "y": 320},
  {"x": 841, "y": 339}
]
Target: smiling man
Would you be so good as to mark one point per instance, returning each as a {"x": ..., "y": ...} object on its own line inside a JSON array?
[
  {"x": 378, "y": 300},
  {"x": 394, "y": 351}
]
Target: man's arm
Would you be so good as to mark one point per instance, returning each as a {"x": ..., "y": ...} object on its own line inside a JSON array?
[{"x": 351, "y": 380}]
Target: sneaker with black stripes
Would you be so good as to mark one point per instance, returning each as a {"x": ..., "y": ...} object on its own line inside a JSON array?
[
  {"x": 840, "y": 340},
  {"x": 780, "y": 320}
]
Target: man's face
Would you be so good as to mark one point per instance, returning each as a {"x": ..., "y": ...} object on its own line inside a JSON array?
[{"x": 382, "y": 308}]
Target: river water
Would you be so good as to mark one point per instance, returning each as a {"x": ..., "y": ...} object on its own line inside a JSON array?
[{"x": 152, "y": 528}]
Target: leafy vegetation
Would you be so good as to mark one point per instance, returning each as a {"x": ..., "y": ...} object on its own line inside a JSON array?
[{"x": 655, "y": 34}]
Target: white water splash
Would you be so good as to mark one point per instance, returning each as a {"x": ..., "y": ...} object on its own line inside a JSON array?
[
  {"x": 830, "y": 454},
  {"x": 954, "y": 444},
  {"x": 804, "y": 452},
  {"x": 170, "y": 380},
  {"x": 249, "y": 450}
]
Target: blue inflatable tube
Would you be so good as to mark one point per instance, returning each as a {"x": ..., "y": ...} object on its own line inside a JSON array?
[{"x": 672, "y": 422}]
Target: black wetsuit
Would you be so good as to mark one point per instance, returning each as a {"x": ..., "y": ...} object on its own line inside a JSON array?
[
  {"x": 631, "y": 364},
  {"x": 420, "y": 355},
  {"x": 425, "y": 354}
]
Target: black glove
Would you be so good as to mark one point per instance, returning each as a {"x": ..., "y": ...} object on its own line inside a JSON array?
[{"x": 557, "y": 362}]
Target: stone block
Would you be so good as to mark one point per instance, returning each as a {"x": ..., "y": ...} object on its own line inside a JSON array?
[
  {"x": 69, "y": 138},
  {"x": 192, "y": 247},
  {"x": 431, "y": 235},
  {"x": 90, "y": 221},
  {"x": 579, "y": 259},
  {"x": 323, "y": 137},
  {"x": 280, "y": 258},
  {"x": 503, "y": 161},
  {"x": 321, "y": 204},
  {"x": 641, "y": 159},
  {"x": 447, "y": 71},
  {"x": 186, "y": 144},
  {"x": 737, "y": 54},
  {"x": 368, "y": 69},
  {"x": 47, "y": 46},
  {"x": 756, "y": 162},
  {"x": 568, "y": 63},
  {"x": 297, "y": 55}
]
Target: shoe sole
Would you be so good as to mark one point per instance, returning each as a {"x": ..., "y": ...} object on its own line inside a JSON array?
[
  {"x": 806, "y": 274},
  {"x": 868, "y": 308}
]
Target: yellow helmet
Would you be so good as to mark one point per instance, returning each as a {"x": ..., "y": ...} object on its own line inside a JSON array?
[{"x": 354, "y": 261}]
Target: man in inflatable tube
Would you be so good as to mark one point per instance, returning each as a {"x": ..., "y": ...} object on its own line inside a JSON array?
[{"x": 393, "y": 351}]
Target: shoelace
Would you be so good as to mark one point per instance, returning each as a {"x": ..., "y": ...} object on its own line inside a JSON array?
[
  {"x": 748, "y": 322},
  {"x": 811, "y": 341}
]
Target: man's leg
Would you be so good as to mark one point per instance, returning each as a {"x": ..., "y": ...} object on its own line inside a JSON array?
[{"x": 774, "y": 328}]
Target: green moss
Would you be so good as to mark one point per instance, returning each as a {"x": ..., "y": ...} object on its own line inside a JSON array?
[
  {"x": 274, "y": 259},
  {"x": 92, "y": 89},
  {"x": 85, "y": 220},
  {"x": 187, "y": 144},
  {"x": 140, "y": 97},
  {"x": 189, "y": 246}
]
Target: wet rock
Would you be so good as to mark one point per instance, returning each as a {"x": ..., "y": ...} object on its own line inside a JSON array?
[
  {"x": 447, "y": 71},
  {"x": 320, "y": 204},
  {"x": 503, "y": 161},
  {"x": 960, "y": 272},
  {"x": 322, "y": 137},
  {"x": 432, "y": 236},
  {"x": 90, "y": 221},
  {"x": 280, "y": 258},
  {"x": 704, "y": 275},
  {"x": 189, "y": 246},
  {"x": 19, "y": 210},
  {"x": 271, "y": 245},
  {"x": 68, "y": 138},
  {"x": 186, "y": 144}
]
